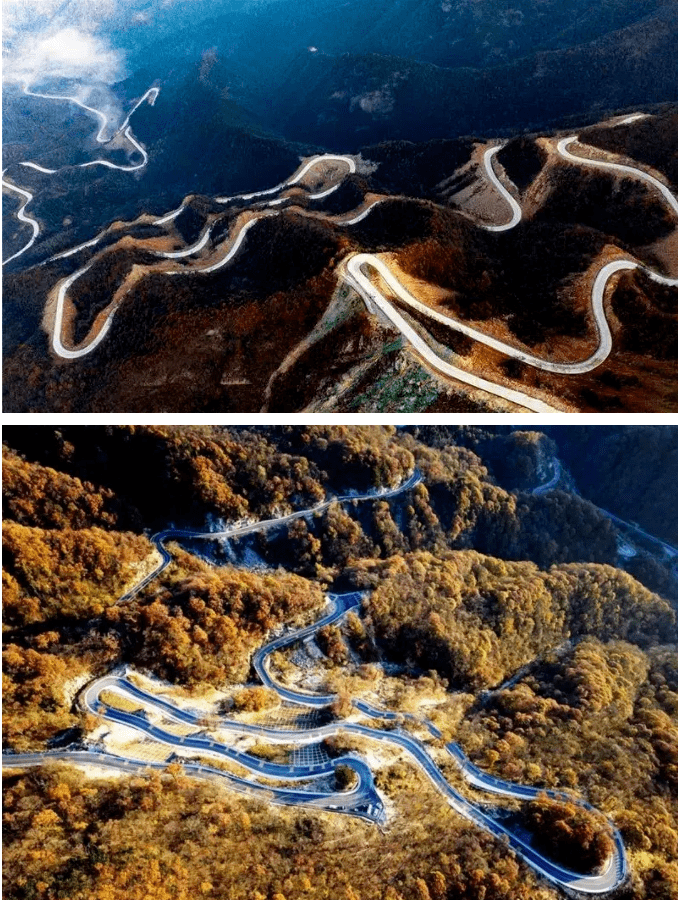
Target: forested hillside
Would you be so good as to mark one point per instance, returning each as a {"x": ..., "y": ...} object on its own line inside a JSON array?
[{"x": 498, "y": 603}]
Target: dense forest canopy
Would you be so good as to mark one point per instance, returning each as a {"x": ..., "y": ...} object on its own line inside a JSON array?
[{"x": 541, "y": 642}]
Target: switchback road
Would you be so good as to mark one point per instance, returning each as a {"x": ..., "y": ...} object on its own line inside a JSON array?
[
  {"x": 362, "y": 799},
  {"x": 22, "y": 217},
  {"x": 126, "y": 129},
  {"x": 356, "y": 277},
  {"x": 171, "y": 534}
]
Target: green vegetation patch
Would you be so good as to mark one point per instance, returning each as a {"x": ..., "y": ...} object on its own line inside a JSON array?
[{"x": 411, "y": 390}]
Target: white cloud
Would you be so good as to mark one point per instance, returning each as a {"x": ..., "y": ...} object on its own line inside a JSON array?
[{"x": 66, "y": 54}]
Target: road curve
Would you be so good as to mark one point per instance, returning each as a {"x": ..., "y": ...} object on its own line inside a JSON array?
[
  {"x": 109, "y": 165},
  {"x": 599, "y": 355},
  {"x": 150, "y": 95},
  {"x": 374, "y": 299},
  {"x": 355, "y": 276},
  {"x": 57, "y": 329},
  {"x": 32, "y": 165},
  {"x": 188, "y": 251},
  {"x": 21, "y": 215},
  {"x": 295, "y": 179},
  {"x": 516, "y": 211},
  {"x": 100, "y": 331},
  {"x": 101, "y": 116},
  {"x": 563, "y": 149},
  {"x": 170, "y": 534},
  {"x": 610, "y": 878},
  {"x": 363, "y": 799},
  {"x": 612, "y": 875}
]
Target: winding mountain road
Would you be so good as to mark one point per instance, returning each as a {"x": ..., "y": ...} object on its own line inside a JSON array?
[
  {"x": 563, "y": 149},
  {"x": 150, "y": 96},
  {"x": 296, "y": 178},
  {"x": 22, "y": 217},
  {"x": 516, "y": 211},
  {"x": 362, "y": 799},
  {"x": 375, "y": 299},
  {"x": 97, "y": 113},
  {"x": 354, "y": 272},
  {"x": 99, "y": 331},
  {"x": 355, "y": 276},
  {"x": 171, "y": 534},
  {"x": 126, "y": 129}
]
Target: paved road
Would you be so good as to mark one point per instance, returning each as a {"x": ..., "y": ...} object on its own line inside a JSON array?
[
  {"x": 149, "y": 96},
  {"x": 563, "y": 149},
  {"x": 235, "y": 247},
  {"x": 634, "y": 117},
  {"x": 97, "y": 113},
  {"x": 372, "y": 297},
  {"x": 296, "y": 178},
  {"x": 362, "y": 800},
  {"x": 553, "y": 480},
  {"x": 356, "y": 277},
  {"x": 516, "y": 211},
  {"x": 100, "y": 331},
  {"x": 21, "y": 215},
  {"x": 172, "y": 534},
  {"x": 668, "y": 549},
  {"x": 570, "y": 368},
  {"x": 66, "y": 253},
  {"x": 32, "y": 165},
  {"x": 109, "y": 165},
  {"x": 340, "y": 604},
  {"x": 187, "y": 251},
  {"x": 612, "y": 875},
  {"x": 103, "y": 323}
]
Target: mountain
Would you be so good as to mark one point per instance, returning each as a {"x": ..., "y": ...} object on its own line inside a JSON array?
[
  {"x": 346, "y": 100},
  {"x": 472, "y": 669},
  {"x": 263, "y": 148},
  {"x": 262, "y": 313}
]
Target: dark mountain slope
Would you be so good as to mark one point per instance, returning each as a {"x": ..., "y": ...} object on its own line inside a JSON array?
[{"x": 349, "y": 100}]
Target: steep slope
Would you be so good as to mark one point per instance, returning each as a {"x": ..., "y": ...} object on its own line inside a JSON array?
[{"x": 539, "y": 274}]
